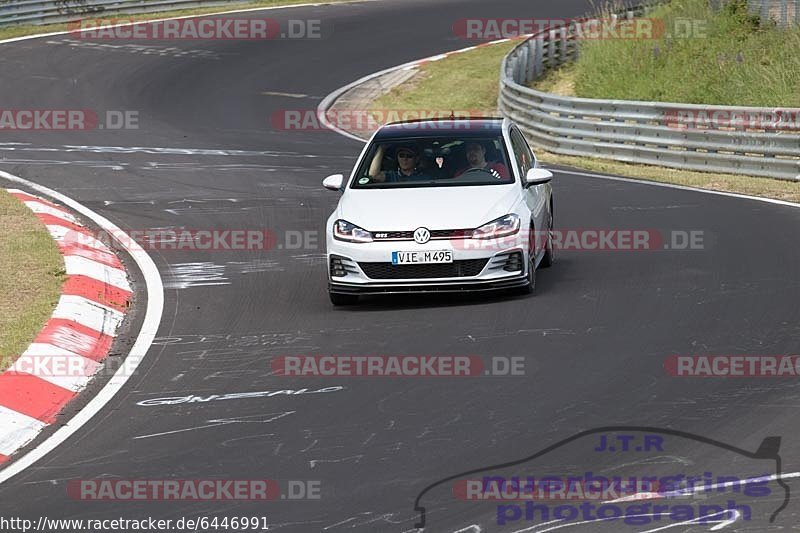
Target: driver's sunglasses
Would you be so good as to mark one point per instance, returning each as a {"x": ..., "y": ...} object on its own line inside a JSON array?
[{"x": 406, "y": 155}]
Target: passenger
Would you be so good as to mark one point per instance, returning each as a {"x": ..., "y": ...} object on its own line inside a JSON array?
[
  {"x": 476, "y": 158},
  {"x": 408, "y": 168}
]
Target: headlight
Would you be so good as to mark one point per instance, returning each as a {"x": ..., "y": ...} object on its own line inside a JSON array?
[
  {"x": 506, "y": 225},
  {"x": 345, "y": 231}
]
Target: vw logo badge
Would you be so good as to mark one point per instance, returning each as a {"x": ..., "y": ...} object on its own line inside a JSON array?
[{"x": 422, "y": 235}]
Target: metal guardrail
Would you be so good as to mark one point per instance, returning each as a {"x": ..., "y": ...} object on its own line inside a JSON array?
[
  {"x": 38, "y": 12},
  {"x": 730, "y": 139}
]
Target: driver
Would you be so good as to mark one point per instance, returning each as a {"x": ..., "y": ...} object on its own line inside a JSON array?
[
  {"x": 408, "y": 168},
  {"x": 476, "y": 158}
]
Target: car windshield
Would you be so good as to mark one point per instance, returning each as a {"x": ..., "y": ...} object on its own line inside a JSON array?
[{"x": 434, "y": 162}]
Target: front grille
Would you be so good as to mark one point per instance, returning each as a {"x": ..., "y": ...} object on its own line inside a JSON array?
[
  {"x": 456, "y": 269},
  {"x": 450, "y": 233},
  {"x": 392, "y": 235},
  {"x": 409, "y": 235}
]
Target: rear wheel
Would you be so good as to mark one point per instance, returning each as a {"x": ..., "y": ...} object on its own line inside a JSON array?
[{"x": 343, "y": 299}]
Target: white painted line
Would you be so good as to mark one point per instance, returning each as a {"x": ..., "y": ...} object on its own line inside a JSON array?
[
  {"x": 77, "y": 265},
  {"x": 88, "y": 313},
  {"x": 149, "y": 329},
  {"x": 18, "y": 430},
  {"x": 472, "y": 528},
  {"x": 56, "y": 365},
  {"x": 437, "y": 57}
]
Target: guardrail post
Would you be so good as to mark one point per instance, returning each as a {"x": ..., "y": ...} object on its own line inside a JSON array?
[
  {"x": 538, "y": 58},
  {"x": 573, "y": 43},
  {"x": 530, "y": 70},
  {"x": 524, "y": 65},
  {"x": 512, "y": 67},
  {"x": 562, "y": 49}
]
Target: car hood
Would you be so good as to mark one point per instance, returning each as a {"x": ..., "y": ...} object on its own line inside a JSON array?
[{"x": 430, "y": 207}]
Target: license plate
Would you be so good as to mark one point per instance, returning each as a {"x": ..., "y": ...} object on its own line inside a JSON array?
[{"x": 422, "y": 257}]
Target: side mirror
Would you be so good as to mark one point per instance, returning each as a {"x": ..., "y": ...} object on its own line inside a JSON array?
[
  {"x": 333, "y": 182},
  {"x": 538, "y": 176}
]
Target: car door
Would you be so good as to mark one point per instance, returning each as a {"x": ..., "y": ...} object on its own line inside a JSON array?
[{"x": 536, "y": 197}]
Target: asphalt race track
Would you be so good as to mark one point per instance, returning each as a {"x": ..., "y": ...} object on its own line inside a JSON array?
[{"x": 594, "y": 337}]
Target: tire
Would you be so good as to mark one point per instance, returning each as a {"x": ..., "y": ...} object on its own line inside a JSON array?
[
  {"x": 338, "y": 299},
  {"x": 549, "y": 252},
  {"x": 531, "y": 285}
]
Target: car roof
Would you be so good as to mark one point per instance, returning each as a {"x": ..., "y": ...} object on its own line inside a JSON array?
[{"x": 422, "y": 128}]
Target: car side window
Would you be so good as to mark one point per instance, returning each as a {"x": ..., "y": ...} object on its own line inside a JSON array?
[{"x": 522, "y": 153}]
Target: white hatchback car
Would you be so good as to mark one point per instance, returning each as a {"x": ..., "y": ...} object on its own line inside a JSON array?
[{"x": 440, "y": 206}]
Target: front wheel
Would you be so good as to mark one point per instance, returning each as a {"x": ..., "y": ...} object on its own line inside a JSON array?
[
  {"x": 531, "y": 284},
  {"x": 549, "y": 251},
  {"x": 338, "y": 299}
]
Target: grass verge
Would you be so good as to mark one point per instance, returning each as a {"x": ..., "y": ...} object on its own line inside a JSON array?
[
  {"x": 31, "y": 275},
  {"x": 29, "y": 29},
  {"x": 465, "y": 82},
  {"x": 470, "y": 81},
  {"x": 702, "y": 56}
]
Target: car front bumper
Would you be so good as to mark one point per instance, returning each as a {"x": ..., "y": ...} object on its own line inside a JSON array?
[
  {"x": 427, "y": 287},
  {"x": 369, "y": 271}
]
